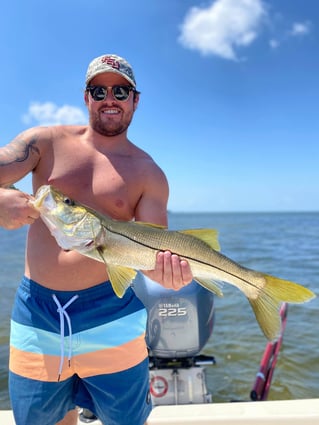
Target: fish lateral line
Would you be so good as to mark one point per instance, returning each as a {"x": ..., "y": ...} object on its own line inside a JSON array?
[{"x": 185, "y": 257}]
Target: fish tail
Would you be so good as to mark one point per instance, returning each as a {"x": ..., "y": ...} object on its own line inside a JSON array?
[{"x": 266, "y": 306}]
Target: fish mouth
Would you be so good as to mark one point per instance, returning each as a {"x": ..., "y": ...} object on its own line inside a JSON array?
[{"x": 41, "y": 196}]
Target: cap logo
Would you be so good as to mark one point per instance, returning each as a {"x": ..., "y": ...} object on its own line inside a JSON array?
[{"x": 111, "y": 61}]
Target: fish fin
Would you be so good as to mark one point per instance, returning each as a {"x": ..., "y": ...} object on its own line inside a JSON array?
[
  {"x": 211, "y": 285},
  {"x": 156, "y": 226},
  {"x": 120, "y": 278},
  {"x": 268, "y": 318},
  {"x": 210, "y": 236},
  {"x": 266, "y": 306}
]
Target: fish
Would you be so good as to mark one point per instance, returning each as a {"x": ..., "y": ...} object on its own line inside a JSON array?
[{"x": 127, "y": 247}]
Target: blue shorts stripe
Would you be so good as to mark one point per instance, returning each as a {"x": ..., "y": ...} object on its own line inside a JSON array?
[
  {"x": 95, "y": 306},
  {"x": 109, "y": 335}
]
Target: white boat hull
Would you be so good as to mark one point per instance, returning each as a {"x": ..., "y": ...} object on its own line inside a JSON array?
[{"x": 290, "y": 412}]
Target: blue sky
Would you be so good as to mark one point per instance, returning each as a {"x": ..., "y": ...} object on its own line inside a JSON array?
[{"x": 230, "y": 90}]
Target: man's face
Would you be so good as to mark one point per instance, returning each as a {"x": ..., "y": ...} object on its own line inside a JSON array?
[{"x": 110, "y": 117}]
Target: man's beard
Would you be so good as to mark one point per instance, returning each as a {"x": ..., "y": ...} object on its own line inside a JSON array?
[{"x": 109, "y": 129}]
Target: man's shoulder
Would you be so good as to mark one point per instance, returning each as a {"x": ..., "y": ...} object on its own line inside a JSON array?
[
  {"x": 60, "y": 133},
  {"x": 139, "y": 154},
  {"x": 53, "y": 131},
  {"x": 72, "y": 130}
]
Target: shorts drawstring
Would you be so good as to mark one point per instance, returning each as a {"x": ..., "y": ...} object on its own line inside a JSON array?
[{"x": 63, "y": 314}]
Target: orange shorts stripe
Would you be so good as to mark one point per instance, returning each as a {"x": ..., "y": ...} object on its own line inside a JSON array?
[{"x": 44, "y": 367}]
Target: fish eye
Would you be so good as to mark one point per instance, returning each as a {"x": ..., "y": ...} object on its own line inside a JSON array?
[{"x": 68, "y": 202}]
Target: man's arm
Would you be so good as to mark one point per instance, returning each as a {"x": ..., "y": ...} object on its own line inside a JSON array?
[
  {"x": 17, "y": 159},
  {"x": 170, "y": 271}
]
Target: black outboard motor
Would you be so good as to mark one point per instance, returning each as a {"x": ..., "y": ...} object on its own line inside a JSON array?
[{"x": 179, "y": 325}]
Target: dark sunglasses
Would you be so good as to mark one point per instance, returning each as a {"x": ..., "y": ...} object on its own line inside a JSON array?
[{"x": 99, "y": 93}]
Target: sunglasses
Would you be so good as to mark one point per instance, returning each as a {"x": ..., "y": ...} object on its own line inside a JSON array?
[{"x": 121, "y": 93}]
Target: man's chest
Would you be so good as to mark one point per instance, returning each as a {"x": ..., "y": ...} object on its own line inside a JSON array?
[{"x": 110, "y": 186}]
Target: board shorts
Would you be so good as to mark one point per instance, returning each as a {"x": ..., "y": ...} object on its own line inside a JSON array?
[{"x": 78, "y": 348}]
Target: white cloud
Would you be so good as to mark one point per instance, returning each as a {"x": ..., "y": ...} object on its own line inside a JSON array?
[
  {"x": 50, "y": 114},
  {"x": 222, "y": 27},
  {"x": 300, "y": 28},
  {"x": 297, "y": 29}
]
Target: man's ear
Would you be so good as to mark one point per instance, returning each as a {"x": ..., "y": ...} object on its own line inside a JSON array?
[
  {"x": 136, "y": 100},
  {"x": 86, "y": 98}
]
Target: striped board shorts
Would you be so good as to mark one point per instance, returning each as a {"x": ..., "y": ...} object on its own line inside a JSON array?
[{"x": 78, "y": 348}]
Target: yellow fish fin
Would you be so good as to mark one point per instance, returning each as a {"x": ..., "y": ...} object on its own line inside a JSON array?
[
  {"x": 210, "y": 236},
  {"x": 267, "y": 315},
  {"x": 266, "y": 306},
  {"x": 120, "y": 278},
  {"x": 157, "y": 226},
  {"x": 211, "y": 285}
]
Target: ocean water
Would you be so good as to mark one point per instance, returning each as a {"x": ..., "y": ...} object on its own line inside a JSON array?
[{"x": 282, "y": 244}]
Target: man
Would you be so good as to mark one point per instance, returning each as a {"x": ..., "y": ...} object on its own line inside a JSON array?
[{"x": 73, "y": 342}]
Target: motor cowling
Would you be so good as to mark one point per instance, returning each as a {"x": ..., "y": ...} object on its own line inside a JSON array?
[{"x": 179, "y": 322}]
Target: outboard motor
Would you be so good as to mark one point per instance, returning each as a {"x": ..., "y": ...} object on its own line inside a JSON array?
[{"x": 179, "y": 325}]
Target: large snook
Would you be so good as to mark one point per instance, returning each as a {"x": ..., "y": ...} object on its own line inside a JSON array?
[{"x": 129, "y": 246}]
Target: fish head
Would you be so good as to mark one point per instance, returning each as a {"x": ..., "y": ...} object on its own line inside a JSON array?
[
  {"x": 57, "y": 207},
  {"x": 72, "y": 225}
]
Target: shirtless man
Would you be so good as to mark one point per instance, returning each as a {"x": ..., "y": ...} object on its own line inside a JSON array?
[{"x": 73, "y": 342}]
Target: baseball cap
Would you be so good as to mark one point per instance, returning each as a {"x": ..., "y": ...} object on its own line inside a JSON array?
[{"x": 110, "y": 63}]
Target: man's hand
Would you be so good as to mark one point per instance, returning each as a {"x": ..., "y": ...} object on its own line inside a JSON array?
[
  {"x": 15, "y": 209},
  {"x": 170, "y": 271}
]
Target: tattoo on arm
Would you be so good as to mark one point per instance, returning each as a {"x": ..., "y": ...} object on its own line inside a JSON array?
[{"x": 18, "y": 150}]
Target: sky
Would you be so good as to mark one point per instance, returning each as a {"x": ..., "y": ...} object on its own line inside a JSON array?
[{"x": 229, "y": 90}]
